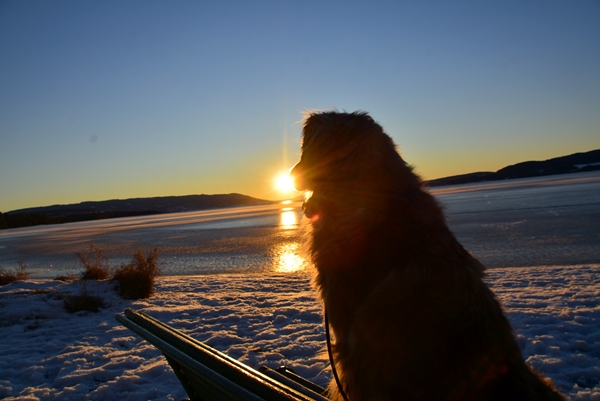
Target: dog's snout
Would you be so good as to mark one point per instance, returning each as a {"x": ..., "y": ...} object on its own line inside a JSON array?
[{"x": 298, "y": 177}]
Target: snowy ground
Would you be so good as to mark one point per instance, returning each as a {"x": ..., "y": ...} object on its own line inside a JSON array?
[{"x": 47, "y": 353}]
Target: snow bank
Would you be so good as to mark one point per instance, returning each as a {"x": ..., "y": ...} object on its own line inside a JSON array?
[{"x": 261, "y": 319}]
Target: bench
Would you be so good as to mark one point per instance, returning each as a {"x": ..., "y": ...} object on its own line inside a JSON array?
[{"x": 208, "y": 374}]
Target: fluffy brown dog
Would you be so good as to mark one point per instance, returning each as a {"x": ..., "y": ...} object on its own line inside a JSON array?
[{"x": 411, "y": 315}]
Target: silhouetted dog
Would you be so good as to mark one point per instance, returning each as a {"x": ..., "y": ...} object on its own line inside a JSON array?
[{"x": 411, "y": 315}]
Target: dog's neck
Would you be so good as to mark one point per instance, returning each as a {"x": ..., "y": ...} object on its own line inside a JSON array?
[{"x": 351, "y": 234}]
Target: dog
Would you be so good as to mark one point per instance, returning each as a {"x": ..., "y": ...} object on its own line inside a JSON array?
[{"x": 411, "y": 316}]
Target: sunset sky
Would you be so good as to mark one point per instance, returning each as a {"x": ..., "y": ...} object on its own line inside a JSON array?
[{"x": 123, "y": 99}]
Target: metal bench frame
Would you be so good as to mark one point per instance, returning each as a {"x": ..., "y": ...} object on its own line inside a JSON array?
[{"x": 208, "y": 374}]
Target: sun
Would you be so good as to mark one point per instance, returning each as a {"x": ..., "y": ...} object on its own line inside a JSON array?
[{"x": 284, "y": 183}]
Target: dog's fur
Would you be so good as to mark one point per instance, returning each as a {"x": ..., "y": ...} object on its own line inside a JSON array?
[{"x": 411, "y": 316}]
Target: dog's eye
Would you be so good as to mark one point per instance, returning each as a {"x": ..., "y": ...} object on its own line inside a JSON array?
[{"x": 313, "y": 148}]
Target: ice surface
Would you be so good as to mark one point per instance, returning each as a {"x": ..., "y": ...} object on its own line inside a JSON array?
[
  {"x": 529, "y": 222},
  {"x": 238, "y": 240}
]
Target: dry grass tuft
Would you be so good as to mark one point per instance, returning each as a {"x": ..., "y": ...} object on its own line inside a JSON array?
[
  {"x": 12, "y": 275},
  {"x": 136, "y": 279},
  {"x": 83, "y": 301},
  {"x": 76, "y": 303},
  {"x": 95, "y": 263}
]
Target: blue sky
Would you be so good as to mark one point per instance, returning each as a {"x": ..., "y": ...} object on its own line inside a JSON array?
[{"x": 121, "y": 99}]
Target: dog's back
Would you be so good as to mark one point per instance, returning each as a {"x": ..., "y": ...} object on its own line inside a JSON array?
[{"x": 411, "y": 315}]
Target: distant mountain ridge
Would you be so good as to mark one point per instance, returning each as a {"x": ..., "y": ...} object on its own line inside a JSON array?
[
  {"x": 161, "y": 204},
  {"x": 574, "y": 163}
]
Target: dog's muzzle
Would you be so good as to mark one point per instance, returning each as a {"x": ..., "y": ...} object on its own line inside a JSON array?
[
  {"x": 298, "y": 178},
  {"x": 311, "y": 208}
]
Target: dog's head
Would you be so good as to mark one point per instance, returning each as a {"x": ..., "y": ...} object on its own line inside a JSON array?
[
  {"x": 347, "y": 162},
  {"x": 335, "y": 149}
]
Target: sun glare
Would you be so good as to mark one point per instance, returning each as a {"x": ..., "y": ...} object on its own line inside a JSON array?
[{"x": 284, "y": 183}]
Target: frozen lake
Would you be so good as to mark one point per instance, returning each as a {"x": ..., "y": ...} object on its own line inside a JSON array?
[{"x": 529, "y": 222}]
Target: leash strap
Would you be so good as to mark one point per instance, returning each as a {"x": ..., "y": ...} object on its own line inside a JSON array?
[{"x": 331, "y": 361}]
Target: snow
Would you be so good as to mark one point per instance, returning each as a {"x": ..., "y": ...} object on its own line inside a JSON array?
[
  {"x": 260, "y": 319},
  {"x": 580, "y": 166}
]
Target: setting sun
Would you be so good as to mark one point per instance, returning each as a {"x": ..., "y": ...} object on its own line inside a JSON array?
[{"x": 284, "y": 183}]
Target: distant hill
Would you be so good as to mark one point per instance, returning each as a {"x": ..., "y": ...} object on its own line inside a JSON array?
[
  {"x": 122, "y": 208},
  {"x": 161, "y": 204},
  {"x": 575, "y": 163}
]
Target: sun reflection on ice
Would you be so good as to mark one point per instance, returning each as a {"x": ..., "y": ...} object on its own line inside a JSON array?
[
  {"x": 288, "y": 260},
  {"x": 289, "y": 219}
]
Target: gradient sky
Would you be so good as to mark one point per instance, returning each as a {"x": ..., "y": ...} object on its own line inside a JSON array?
[{"x": 122, "y": 99}]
